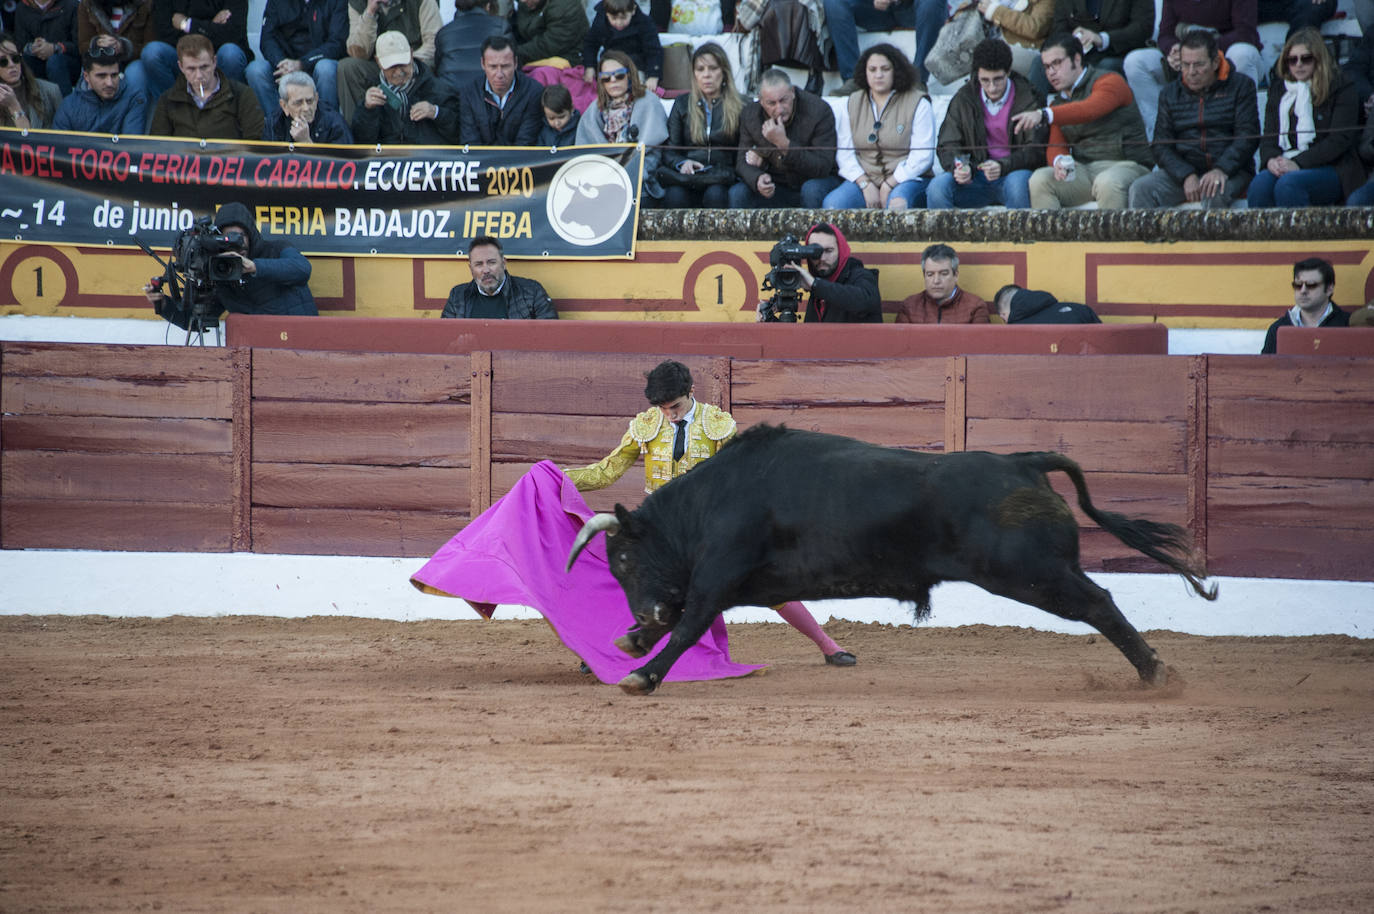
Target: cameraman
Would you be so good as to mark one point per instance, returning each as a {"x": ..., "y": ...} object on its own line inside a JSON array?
[
  {"x": 842, "y": 290},
  {"x": 275, "y": 274}
]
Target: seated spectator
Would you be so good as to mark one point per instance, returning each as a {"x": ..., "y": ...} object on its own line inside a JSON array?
[
  {"x": 25, "y": 100},
  {"x": 224, "y": 23},
  {"x": 458, "y": 45},
  {"x": 1364, "y": 194},
  {"x": 104, "y": 102},
  {"x": 1206, "y": 134},
  {"x": 500, "y": 107},
  {"x": 1359, "y": 67},
  {"x": 942, "y": 301},
  {"x": 493, "y": 292},
  {"x": 1107, "y": 29},
  {"x": 1299, "y": 14},
  {"x": 1308, "y": 153},
  {"x": 1023, "y": 25},
  {"x": 984, "y": 160},
  {"x": 620, "y": 25},
  {"x": 845, "y": 18},
  {"x": 300, "y": 36},
  {"x": 549, "y": 32},
  {"x": 622, "y": 113},
  {"x": 1016, "y": 305},
  {"x": 773, "y": 173},
  {"x": 299, "y": 117},
  {"x": 276, "y": 275},
  {"x": 417, "y": 20},
  {"x": 117, "y": 24},
  {"x": 46, "y": 32},
  {"x": 1314, "y": 281},
  {"x": 408, "y": 106},
  {"x": 1097, "y": 141},
  {"x": 204, "y": 103},
  {"x": 886, "y": 146},
  {"x": 560, "y": 117},
  {"x": 703, "y": 135},
  {"x": 1237, "y": 34}
]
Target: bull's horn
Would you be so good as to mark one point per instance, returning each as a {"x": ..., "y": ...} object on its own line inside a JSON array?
[{"x": 591, "y": 528}]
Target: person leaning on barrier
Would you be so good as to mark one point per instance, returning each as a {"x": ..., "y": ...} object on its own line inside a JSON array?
[
  {"x": 204, "y": 103},
  {"x": 942, "y": 301},
  {"x": 1206, "y": 133},
  {"x": 1314, "y": 280},
  {"x": 493, "y": 292},
  {"x": 1016, "y": 305},
  {"x": 104, "y": 102},
  {"x": 275, "y": 274},
  {"x": 786, "y": 148},
  {"x": 299, "y": 117},
  {"x": 842, "y": 290}
]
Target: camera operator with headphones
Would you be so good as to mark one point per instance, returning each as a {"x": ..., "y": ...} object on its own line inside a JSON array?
[
  {"x": 842, "y": 290},
  {"x": 274, "y": 275}
]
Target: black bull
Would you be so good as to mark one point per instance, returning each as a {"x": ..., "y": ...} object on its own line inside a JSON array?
[{"x": 781, "y": 515}]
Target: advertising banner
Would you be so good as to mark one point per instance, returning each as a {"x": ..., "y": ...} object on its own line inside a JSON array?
[{"x": 404, "y": 201}]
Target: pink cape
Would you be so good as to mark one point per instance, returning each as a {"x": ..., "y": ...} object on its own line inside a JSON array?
[{"x": 515, "y": 552}]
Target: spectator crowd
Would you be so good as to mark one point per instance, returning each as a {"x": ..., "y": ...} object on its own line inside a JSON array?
[{"x": 1065, "y": 102}]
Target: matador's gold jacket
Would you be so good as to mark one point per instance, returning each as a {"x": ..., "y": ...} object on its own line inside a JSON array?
[{"x": 652, "y": 435}]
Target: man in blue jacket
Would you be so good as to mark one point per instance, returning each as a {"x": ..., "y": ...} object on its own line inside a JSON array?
[
  {"x": 105, "y": 102},
  {"x": 309, "y": 36}
]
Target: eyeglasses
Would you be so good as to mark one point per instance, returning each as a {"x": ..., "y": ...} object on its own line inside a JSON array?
[
  {"x": 97, "y": 50},
  {"x": 612, "y": 75},
  {"x": 1055, "y": 64},
  {"x": 1304, "y": 59},
  {"x": 873, "y": 137},
  {"x": 7, "y": 60},
  {"x": 1298, "y": 285}
]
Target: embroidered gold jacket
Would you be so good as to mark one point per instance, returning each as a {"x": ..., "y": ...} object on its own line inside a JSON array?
[{"x": 649, "y": 434}]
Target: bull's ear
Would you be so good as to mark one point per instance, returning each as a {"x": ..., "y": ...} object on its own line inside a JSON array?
[{"x": 627, "y": 521}]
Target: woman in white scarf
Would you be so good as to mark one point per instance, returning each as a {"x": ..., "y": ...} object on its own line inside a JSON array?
[{"x": 1310, "y": 129}]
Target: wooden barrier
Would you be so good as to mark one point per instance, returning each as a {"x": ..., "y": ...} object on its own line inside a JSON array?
[
  {"x": 1268, "y": 460},
  {"x": 1358, "y": 341}
]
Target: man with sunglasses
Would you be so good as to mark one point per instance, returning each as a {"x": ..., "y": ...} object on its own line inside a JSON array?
[
  {"x": 104, "y": 102},
  {"x": 275, "y": 274},
  {"x": 1314, "y": 280}
]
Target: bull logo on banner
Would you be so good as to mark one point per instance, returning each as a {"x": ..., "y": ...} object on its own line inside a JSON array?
[{"x": 589, "y": 200}]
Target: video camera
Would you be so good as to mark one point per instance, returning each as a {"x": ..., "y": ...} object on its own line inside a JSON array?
[
  {"x": 784, "y": 281},
  {"x": 202, "y": 256}
]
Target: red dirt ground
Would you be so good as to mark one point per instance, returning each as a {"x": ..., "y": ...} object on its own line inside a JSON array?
[{"x": 254, "y": 764}]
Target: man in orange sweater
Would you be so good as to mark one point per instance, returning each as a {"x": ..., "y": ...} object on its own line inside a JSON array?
[{"x": 1097, "y": 138}]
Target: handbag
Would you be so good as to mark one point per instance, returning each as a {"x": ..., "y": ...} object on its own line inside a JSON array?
[
  {"x": 952, "y": 56},
  {"x": 677, "y": 66},
  {"x": 671, "y": 177}
]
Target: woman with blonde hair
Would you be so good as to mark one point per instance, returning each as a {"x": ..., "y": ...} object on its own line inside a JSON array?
[
  {"x": 1311, "y": 128},
  {"x": 703, "y": 135},
  {"x": 25, "y": 100},
  {"x": 622, "y": 113}
]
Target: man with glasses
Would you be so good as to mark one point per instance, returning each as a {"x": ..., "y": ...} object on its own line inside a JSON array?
[
  {"x": 787, "y": 145},
  {"x": 104, "y": 102},
  {"x": 984, "y": 161},
  {"x": 1097, "y": 144},
  {"x": 1206, "y": 133},
  {"x": 501, "y": 107},
  {"x": 1313, "y": 282}
]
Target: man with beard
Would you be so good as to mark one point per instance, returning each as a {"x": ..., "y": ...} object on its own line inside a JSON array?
[
  {"x": 105, "y": 102},
  {"x": 408, "y": 106},
  {"x": 494, "y": 293},
  {"x": 842, "y": 290}
]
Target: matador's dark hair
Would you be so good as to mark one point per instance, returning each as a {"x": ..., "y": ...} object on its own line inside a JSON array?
[{"x": 668, "y": 381}]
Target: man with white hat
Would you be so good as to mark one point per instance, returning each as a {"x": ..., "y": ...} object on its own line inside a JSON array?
[{"x": 408, "y": 105}]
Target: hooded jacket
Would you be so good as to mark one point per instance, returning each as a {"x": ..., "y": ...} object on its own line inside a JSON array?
[
  {"x": 849, "y": 295},
  {"x": 124, "y": 114},
  {"x": 1029, "y": 306},
  {"x": 279, "y": 283}
]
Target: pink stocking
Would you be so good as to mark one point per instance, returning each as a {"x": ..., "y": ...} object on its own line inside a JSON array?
[{"x": 799, "y": 617}]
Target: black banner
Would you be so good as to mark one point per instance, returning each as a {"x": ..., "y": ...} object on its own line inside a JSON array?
[{"x": 404, "y": 201}]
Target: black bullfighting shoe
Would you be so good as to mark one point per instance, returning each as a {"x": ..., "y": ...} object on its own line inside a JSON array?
[{"x": 841, "y": 658}]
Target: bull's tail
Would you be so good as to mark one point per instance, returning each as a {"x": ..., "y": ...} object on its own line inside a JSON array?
[{"x": 1168, "y": 544}]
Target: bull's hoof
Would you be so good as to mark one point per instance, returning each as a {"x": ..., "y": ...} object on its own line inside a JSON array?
[
  {"x": 630, "y": 646},
  {"x": 637, "y": 684},
  {"x": 1157, "y": 677}
]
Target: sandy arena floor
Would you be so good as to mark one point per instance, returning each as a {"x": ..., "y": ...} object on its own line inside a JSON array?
[{"x": 254, "y": 764}]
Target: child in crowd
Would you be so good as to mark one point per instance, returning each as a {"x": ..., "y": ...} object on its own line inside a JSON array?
[
  {"x": 560, "y": 117},
  {"x": 620, "y": 25}
]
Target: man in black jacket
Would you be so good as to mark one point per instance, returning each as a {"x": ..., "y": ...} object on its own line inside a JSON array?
[
  {"x": 408, "y": 106},
  {"x": 458, "y": 45},
  {"x": 1107, "y": 29},
  {"x": 501, "y": 107},
  {"x": 1314, "y": 280},
  {"x": 1016, "y": 305},
  {"x": 786, "y": 148},
  {"x": 1205, "y": 135},
  {"x": 300, "y": 36},
  {"x": 494, "y": 293},
  {"x": 842, "y": 290},
  {"x": 224, "y": 22}
]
